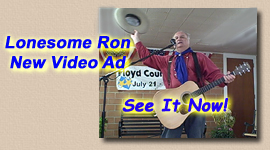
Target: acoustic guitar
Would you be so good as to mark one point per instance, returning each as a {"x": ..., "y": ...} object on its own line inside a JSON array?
[{"x": 173, "y": 119}]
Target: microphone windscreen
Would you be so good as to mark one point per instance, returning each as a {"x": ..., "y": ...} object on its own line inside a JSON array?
[{"x": 173, "y": 41}]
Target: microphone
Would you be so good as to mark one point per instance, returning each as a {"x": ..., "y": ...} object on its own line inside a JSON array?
[{"x": 173, "y": 41}]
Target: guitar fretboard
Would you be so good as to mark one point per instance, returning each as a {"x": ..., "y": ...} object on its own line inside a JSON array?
[{"x": 207, "y": 87}]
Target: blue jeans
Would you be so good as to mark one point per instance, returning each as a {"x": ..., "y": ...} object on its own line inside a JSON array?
[{"x": 194, "y": 127}]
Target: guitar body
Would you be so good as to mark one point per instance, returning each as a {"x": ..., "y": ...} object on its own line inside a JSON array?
[
  {"x": 172, "y": 119},
  {"x": 177, "y": 115}
]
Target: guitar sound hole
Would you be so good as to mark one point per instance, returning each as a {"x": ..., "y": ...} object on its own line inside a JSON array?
[
  {"x": 183, "y": 109},
  {"x": 186, "y": 97}
]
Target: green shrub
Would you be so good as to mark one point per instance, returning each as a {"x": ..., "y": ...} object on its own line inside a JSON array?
[
  {"x": 224, "y": 121},
  {"x": 100, "y": 124}
]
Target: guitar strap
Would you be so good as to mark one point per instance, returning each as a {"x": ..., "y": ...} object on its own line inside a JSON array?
[
  {"x": 169, "y": 70},
  {"x": 198, "y": 70},
  {"x": 197, "y": 67}
]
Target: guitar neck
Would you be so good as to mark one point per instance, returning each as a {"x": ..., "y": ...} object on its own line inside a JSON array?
[
  {"x": 207, "y": 87},
  {"x": 242, "y": 69}
]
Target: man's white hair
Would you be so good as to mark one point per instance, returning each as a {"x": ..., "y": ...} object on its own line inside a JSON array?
[{"x": 188, "y": 35}]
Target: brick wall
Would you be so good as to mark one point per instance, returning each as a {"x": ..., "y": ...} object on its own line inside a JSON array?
[
  {"x": 215, "y": 93},
  {"x": 115, "y": 98}
]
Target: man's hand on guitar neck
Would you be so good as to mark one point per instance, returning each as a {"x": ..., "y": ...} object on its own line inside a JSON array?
[{"x": 229, "y": 77}]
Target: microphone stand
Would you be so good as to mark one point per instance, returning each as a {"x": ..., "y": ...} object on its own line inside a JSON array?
[{"x": 105, "y": 79}]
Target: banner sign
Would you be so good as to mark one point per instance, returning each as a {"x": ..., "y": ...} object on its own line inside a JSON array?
[{"x": 139, "y": 78}]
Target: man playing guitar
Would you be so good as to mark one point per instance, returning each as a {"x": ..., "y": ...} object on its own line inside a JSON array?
[{"x": 183, "y": 69}]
